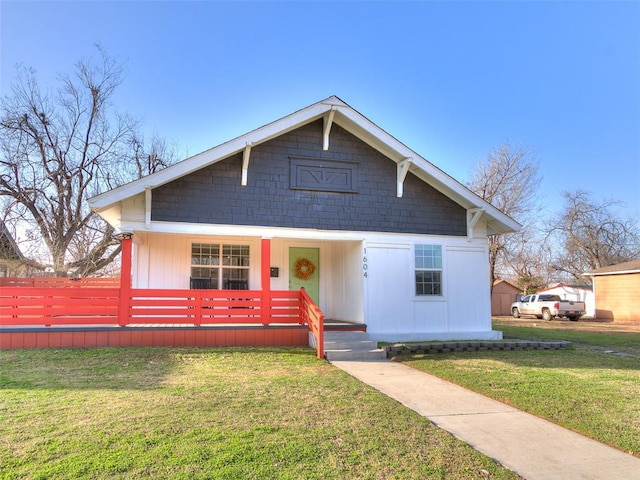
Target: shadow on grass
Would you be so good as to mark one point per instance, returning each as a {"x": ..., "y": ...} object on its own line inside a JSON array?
[{"x": 129, "y": 368}]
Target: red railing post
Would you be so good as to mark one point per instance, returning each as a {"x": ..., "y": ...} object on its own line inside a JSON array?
[
  {"x": 47, "y": 308},
  {"x": 125, "y": 278},
  {"x": 197, "y": 321},
  {"x": 320, "y": 338},
  {"x": 311, "y": 314},
  {"x": 302, "y": 308},
  {"x": 265, "y": 280}
]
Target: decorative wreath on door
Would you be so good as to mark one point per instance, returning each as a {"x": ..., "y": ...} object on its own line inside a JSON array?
[{"x": 303, "y": 268}]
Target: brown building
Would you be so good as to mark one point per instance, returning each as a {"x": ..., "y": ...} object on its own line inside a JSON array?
[
  {"x": 502, "y": 296},
  {"x": 616, "y": 290}
]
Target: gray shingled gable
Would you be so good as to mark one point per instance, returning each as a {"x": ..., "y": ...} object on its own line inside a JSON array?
[
  {"x": 214, "y": 194},
  {"x": 332, "y": 112}
]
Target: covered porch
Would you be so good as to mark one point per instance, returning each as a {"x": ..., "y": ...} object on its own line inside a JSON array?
[
  {"x": 91, "y": 315},
  {"x": 256, "y": 260}
]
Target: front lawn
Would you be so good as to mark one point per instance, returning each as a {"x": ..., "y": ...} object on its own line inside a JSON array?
[
  {"x": 212, "y": 413},
  {"x": 593, "y": 388}
]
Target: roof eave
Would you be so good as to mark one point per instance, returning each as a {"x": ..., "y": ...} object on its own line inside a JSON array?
[
  {"x": 215, "y": 154},
  {"x": 348, "y": 118},
  {"x": 370, "y": 133},
  {"x": 618, "y": 272}
]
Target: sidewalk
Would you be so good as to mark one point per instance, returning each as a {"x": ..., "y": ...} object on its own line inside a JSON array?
[{"x": 530, "y": 446}]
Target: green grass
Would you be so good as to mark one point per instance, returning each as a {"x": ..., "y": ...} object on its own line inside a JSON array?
[
  {"x": 212, "y": 413},
  {"x": 604, "y": 340},
  {"x": 583, "y": 388}
]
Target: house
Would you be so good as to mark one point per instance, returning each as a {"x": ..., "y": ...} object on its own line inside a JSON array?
[
  {"x": 581, "y": 293},
  {"x": 10, "y": 255},
  {"x": 326, "y": 200},
  {"x": 616, "y": 291},
  {"x": 503, "y": 294}
]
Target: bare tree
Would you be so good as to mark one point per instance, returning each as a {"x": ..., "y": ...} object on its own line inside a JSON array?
[
  {"x": 56, "y": 150},
  {"x": 591, "y": 235},
  {"x": 149, "y": 156},
  {"x": 526, "y": 259},
  {"x": 508, "y": 179}
]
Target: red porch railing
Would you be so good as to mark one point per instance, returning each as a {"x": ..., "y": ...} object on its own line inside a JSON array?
[
  {"x": 47, "y": 306},
  {"x": 60, "y": 282},
  {"x": 314, "y": 318}
]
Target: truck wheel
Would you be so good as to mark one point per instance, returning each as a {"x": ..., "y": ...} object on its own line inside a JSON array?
[
  {"x": 515, "y": 313},
  {"x": 546, "y": 314}
]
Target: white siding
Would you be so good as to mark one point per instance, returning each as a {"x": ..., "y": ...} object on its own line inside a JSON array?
[
  {"x": 342, "y": 265},
  {"x": 395, "y": 313},
  {"x": 468, "y": 293},
  {"x": 430, "y": 317},
  {"x": 384, "y": 299},
  {"x": 279, "y": 258},
  {"x": 388, "y": 289},
  {"x": 164, "y": 260}
]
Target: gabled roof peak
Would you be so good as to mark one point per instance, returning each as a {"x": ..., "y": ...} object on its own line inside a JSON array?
[{"x": 332, "y": 109}]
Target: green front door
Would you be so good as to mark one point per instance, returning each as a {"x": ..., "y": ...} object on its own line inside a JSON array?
[{"x": 304, "y": 271}]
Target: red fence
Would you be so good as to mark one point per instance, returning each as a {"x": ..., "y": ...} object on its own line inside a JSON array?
[
  {"x": 60, "y": 282},
  {"x": 40, "y": 306}
]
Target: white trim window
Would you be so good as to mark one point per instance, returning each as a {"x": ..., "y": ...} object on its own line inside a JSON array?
[
  {"x": 220, "y": 266},
  {"x": 428, "y": 270}
]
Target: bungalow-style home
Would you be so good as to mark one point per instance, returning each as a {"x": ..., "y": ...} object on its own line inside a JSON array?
[
  {"x": 581, "y": 293},
  {"x": 10, "y": 255},
  {"x": 326, "y": 200},
  {"x": 616, "y": 290},
  {"x": 503, "y": 295}
]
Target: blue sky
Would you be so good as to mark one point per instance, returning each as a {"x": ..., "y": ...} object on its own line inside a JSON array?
[{"x": 451, "y": 80}]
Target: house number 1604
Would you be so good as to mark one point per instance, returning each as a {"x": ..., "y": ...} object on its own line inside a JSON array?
[{"x": 364, "y": 263}]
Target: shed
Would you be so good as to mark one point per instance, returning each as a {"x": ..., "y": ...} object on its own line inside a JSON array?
[
  {"x": 616, "y": 290},
  {"x": 503, "y": 295}
]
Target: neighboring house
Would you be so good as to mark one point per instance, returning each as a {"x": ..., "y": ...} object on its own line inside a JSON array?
[
  {"x": 582, "y": 293},
  {"x": 616, "y": 291},
  {"x": 503, "y": 295},
  {"x": 10, "y": 255},
  {"x": 326, "y": 200}
]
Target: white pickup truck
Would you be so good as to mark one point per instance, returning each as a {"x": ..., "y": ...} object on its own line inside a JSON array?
[{"x": 548, "y": 307}]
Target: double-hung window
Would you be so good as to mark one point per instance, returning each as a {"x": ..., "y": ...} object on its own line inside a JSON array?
[
  {"x": 428, "y": 264},
  {"x": 226, "y": 266}
]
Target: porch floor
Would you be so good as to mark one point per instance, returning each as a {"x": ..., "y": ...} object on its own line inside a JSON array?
[{"x": 342, "y": 325}]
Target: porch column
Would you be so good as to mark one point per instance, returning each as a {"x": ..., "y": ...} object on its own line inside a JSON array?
[
  {"x": 265, "y": 279},
  {"x": 126, "y": 243}
]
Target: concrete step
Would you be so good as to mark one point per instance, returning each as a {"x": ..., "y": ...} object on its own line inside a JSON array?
[
  {"x": 345, "y": 336},
  {"x": 347, "y": 344},
  {"x": 364, "y": 345},
  {"x": 355, "y": 354},
  {"x": 351, "y": 346}
]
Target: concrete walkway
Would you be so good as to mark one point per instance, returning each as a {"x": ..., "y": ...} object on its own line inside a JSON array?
[{"x": 533, "y": 448}]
